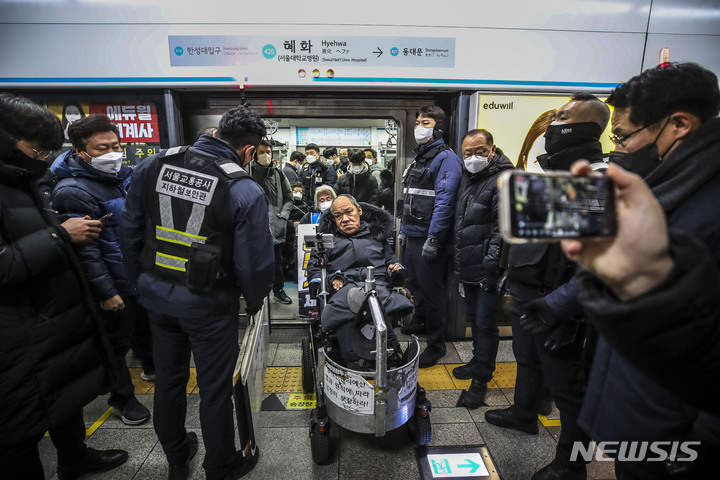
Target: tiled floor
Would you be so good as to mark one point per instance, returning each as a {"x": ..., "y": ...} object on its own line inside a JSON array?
[{"x": 282, "y": 434}]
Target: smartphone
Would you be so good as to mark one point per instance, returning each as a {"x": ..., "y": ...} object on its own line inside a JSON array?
[
  {"x": 319, "y": 241},
  {"x": 550, "y": 206},
  {"x": 105, "y": 217}
]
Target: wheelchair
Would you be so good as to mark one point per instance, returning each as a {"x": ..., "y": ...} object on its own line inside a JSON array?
[{"x": 383, "y": 397}]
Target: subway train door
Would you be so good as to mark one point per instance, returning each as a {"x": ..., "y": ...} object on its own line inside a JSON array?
[{"x": 381, "y": 121}]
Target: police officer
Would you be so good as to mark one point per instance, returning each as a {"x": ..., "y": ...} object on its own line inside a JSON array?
[
  {"x": 195, "y": 237},
  {"x": 430, "y": 187}
]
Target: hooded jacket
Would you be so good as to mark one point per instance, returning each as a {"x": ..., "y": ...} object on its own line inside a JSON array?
[
  {"x": 83, "y": 190},
  {"x": 279, "y": 196},
  {"x": 50, "y": 348},
  {"x": 477, "y": 235},
  {"x": 362, "y": 186}
]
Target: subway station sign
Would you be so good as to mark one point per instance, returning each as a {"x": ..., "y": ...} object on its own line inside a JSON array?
[{"x": 228, "y": 50}]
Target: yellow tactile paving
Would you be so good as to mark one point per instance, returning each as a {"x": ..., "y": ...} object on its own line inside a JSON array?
[
  {"x": 143, "y": 387},
  {"x": 435, "y": 378},
  {"x": 274, "y": 377},
  {"x": 293, "y": 380},
  {"x": 505, "y": 374}
]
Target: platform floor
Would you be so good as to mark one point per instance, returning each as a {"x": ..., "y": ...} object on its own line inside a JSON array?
[{"x": 283, "y": 434}]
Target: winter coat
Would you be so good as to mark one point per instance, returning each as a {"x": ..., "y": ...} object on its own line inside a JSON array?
[
  {"x": 362, "y": 186},
  {"x": 290, "y": 173},
  {"x": 313, "y": 175},
  {"x": 622, "y": 402},
  {"x": 279, "y": 196},
  {"x": 84, "y": 190},
  {"x": 350, "y": 257},
  {"x": 252, "y": 251},
  {"x": 386, "y": 191},
  {"x": 477, "y": 234},
  {"x": 445, "y": 171},
  {"x": 50, "y": 348}
]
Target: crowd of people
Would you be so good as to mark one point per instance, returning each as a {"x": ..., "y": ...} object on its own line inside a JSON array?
[{"x": 98, "y": 259}]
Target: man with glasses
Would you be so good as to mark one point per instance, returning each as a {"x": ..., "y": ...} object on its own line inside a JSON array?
[
  {"x": 52, "y": 361},
  {"x": 548, "y": 333},
  {"x": 666, "y": 128}
]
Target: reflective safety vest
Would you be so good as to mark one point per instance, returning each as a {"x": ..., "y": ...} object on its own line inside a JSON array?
[
  {"x": 187, "y": 200},
  {"x": 419, "y": 189}
]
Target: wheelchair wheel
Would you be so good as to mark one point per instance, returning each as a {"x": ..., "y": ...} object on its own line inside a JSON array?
[
  {"x": 308, "y": 379},
  {"x": 320, "y": 444},
  {"x": 420, "y": 429}
]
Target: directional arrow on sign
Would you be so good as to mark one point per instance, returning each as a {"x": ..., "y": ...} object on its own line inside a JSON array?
[
  {"x": 471, "y": 465},
  {"x": 378, "y": 51}
]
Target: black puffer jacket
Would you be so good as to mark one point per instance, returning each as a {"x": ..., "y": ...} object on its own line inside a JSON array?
[
  {"x": 362, "y": 186},
  {"x": 51, "y": 362},
  {"x": 477, "y": 236}
]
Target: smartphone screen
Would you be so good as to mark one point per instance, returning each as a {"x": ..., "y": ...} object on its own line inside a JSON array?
[{"x": 555, "y": 205}]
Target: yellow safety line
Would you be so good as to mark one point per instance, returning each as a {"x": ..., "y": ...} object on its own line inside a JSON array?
[
  {"x": 99, "y": 422},
  {"x": 548, "y": 422}
]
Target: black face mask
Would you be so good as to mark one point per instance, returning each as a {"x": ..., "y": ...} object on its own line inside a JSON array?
[
  {"x": 641, "y": 161},
  {"x": 6, "y": 145},
  {"x": 561, "y": 137},
  {"x": 36, "y": 168}
]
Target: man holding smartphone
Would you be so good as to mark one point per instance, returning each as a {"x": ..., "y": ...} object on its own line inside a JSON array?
[
  {"x": 94, "y": 181},
  {"x": 548, "y": 337}
]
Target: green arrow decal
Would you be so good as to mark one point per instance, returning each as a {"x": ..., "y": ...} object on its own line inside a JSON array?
[{"x": 472, "y": 465}]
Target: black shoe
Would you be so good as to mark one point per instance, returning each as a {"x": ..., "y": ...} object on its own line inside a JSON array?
[
  {"x": 282, "y": 297},
  {"x": 132, "y": 413},
  {"x": 474, "y": 396},
  {"x": 465, "y": 372},
  {"x": 182, "y": 471},
  {"x": 431, "y": 355},
  {"x": 95, "y": 461},
  {"x": 507, "y": 418},
  {"x": 243, "y": 465},
  {"x": 416, "y": 326},
  {"x": 545, "y": 406},
  {"x": 558, "y": 472}
]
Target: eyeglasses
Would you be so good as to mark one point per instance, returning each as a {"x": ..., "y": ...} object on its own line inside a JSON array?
[
  {"x": 39, "y": 154},
  {"x": 620, "y": 141}
]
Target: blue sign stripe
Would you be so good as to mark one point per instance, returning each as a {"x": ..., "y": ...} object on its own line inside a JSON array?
[
  {"x": 465, "y": 81},
  {"x": 117, "y": 79}
]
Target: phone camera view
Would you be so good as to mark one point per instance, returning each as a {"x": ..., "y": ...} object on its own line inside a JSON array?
[{"x": 548, "y": 206}]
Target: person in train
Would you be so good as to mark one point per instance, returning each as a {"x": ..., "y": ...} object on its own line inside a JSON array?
[
  {"x": 54, "y": 361},
  {"x": 375, "y": 166},
  {"x": 547, "y": 321},
  {"x": 93, "y": 181},
  {"x": 478, "y": 246},
  {"x": 358, "y": 181},
  {"x": 665, "y": 128},
  {"x": 332, "y": 159},
  {"x": 293, "y": 166},
  {"x": 279, "y": 195},
  {"x": 195, "y": 237},
  {"x": 324, "y": 195},
  {"x": 361, "y": 239},
  {"x": 343, "y": 164},
  {"x": 430, "y": 187},
  {"x": 315, "y": 173}
]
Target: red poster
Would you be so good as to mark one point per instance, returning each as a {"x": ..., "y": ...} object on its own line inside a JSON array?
[{"x": 136, "y": 122}]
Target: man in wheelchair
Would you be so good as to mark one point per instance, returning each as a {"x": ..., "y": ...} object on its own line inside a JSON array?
[{"x": 361, "y": 234}]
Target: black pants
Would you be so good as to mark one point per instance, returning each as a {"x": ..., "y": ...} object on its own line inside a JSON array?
[
  {"x": 563, "y": 374},
  {"x": 483, "y": 308},
  {"x": 21, "y": 461},
  {"x": 213, "y": 341},
  {"x": 426, "y": 281},
  {"x": 141, "y": 337},
  {"x": 119, "y": 329},
  {"x": 279, "y": 281}
]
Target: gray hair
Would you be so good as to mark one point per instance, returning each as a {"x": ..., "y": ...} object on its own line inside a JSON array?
[
  {"x": 349, "y": 197},
  {"x": 324, "y": 189}
]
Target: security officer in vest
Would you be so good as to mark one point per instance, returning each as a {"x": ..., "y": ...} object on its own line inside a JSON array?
[
  {"x": 196, "y": 237},
  {"x": 430, "y": 187},
  {"x": 548, "y": 333}
]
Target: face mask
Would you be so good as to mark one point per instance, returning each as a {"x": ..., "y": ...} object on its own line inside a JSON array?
[
  {"x": 297, "y": 195},
  {"x": 560, "y": 135},
  {"x": 343, "y": 159},
  {"x": 264, "y": 159},
  {"x": 475, "y": 163},
  {"x": 423, "y": 134},
  {"x": 311, "y": 159},
  {"x": 298, "y": 167},
  {"x": 358, "y": 169},
  {"x": 324, "y": 206},
  {"x": 643, "y": 160},
  {"x": 108, "y": 163}
]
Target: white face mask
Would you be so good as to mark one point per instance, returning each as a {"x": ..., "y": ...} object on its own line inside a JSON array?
[
  {"x": 264, "y": 159},
  {"x": 558, "y": 123},
  {"x": 423, "y": 134},
  {"x": 475, "y": 163},
  {"x": 311, "y": 159},
  {"x": 329, "y": 162},
  {"x": 358, "y": 169},
  {"x": 108, "y": 163},
  {"x": 325, "y": 205},
  {"x": 297, "y": 195}
]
